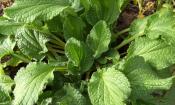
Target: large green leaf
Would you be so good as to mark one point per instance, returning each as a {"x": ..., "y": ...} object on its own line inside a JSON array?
[
  {"x": 108, "y": 10},
  {"x": 6, "y": 45},
  {"x": 4, "y": 98},
  {"x": 68, "y": 96},
  {"x": 30, "y": 82},
  {"x": 9, "y": 27},
  {"x": 79, "y": 55},
  {"x": 159, "y": 25},
  {"x": 144, "y": 80},
  {"x": 30, "y": 10},
  {"x": 73, "y": 27},
  {"x": 156, "y": 52},
  {"x": 32, "y": 43},
  {"x": 108, "y": 87},
  {"x": 99, "y": 38}
]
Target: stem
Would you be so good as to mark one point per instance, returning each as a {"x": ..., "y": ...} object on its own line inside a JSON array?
[
  {"x": 21, "y": 58},
  {"x": 121, "y": 32},
  {"x": 57, "y": 43},
  {"x": 59, "y": 40},
  {"x": 55, "y": 46},
  {"x": 61, "y": 68},
  {"x": 140, "y": 5},
  {"x": 56, "y": 50},
  {"x": 127, "y": 41}
]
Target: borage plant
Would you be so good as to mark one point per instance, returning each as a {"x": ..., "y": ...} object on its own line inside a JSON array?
[{"x": 63, "y": 53}]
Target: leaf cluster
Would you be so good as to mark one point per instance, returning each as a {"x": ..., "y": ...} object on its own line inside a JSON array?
[{"x": 64, "y": 55}]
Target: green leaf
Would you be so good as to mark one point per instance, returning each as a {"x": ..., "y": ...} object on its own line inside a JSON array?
[
  {"x": 32, "y": 43},
  {"x": 73, "y": 27},
  {"x": 108, "y": 10},
  {"x": 108, "y": 87},
  {"x": 159, "y": 25},
  {"x": 30, "y": 82},
  {"x": 7, "y": 45},
  {"x": 9, "y": 27},
  {"x": 156, "y": 52},
  {"x": 68, "y": 96},
  {"x": 85, "y": 4},
  {"x": 79, "y": 55},
  {"x": 144, "y": 80},
  {"x": 6, "y": 83},
  {"x": 99, "y": 38},
  {"x": 56, "y": 24},
  {"x": 4, "y": 98},
  {"x": 30, "y": 10}
]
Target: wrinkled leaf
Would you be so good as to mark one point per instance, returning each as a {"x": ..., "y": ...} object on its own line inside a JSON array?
[
  {"x": 99, "y": 38},
  {"x": 30, "y": 10},
  {"x": 7, "y": 45},
  {"x": 108, "y": 87},
  {"x": 108, "y": 10},
  {"x": 159, "y": 25},
  {"x": 144, "y": 80},
  {"x": 156, "y": 52},
  {"x": 30, "y": 82},
  {"x": 79, "y": 55},
  {"x": 32, "y": 43},
  {"x": 69, "y": 96}
]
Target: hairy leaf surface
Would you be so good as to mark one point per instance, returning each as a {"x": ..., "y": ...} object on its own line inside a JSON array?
[
  {"x": 99, "y": 38},
  {"x": 79, "y": 55},
  {"x": 156, "y": 52},
  {"x": 30, "y": 10},
  {"x": 143, "y": 79},
  {"x": 108, "y": 10},
  {"x": 108, "y": 87},
  {"x": 69, "y": 96},
  {"x": 30, "y": 82},
  {"x": 159, "y": 25},
  {"x": 32, "y": 43},
  {"x": 7, "y": 45}
]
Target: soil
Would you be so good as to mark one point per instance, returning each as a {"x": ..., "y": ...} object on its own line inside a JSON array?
[{"x": 4, "y": 4}]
